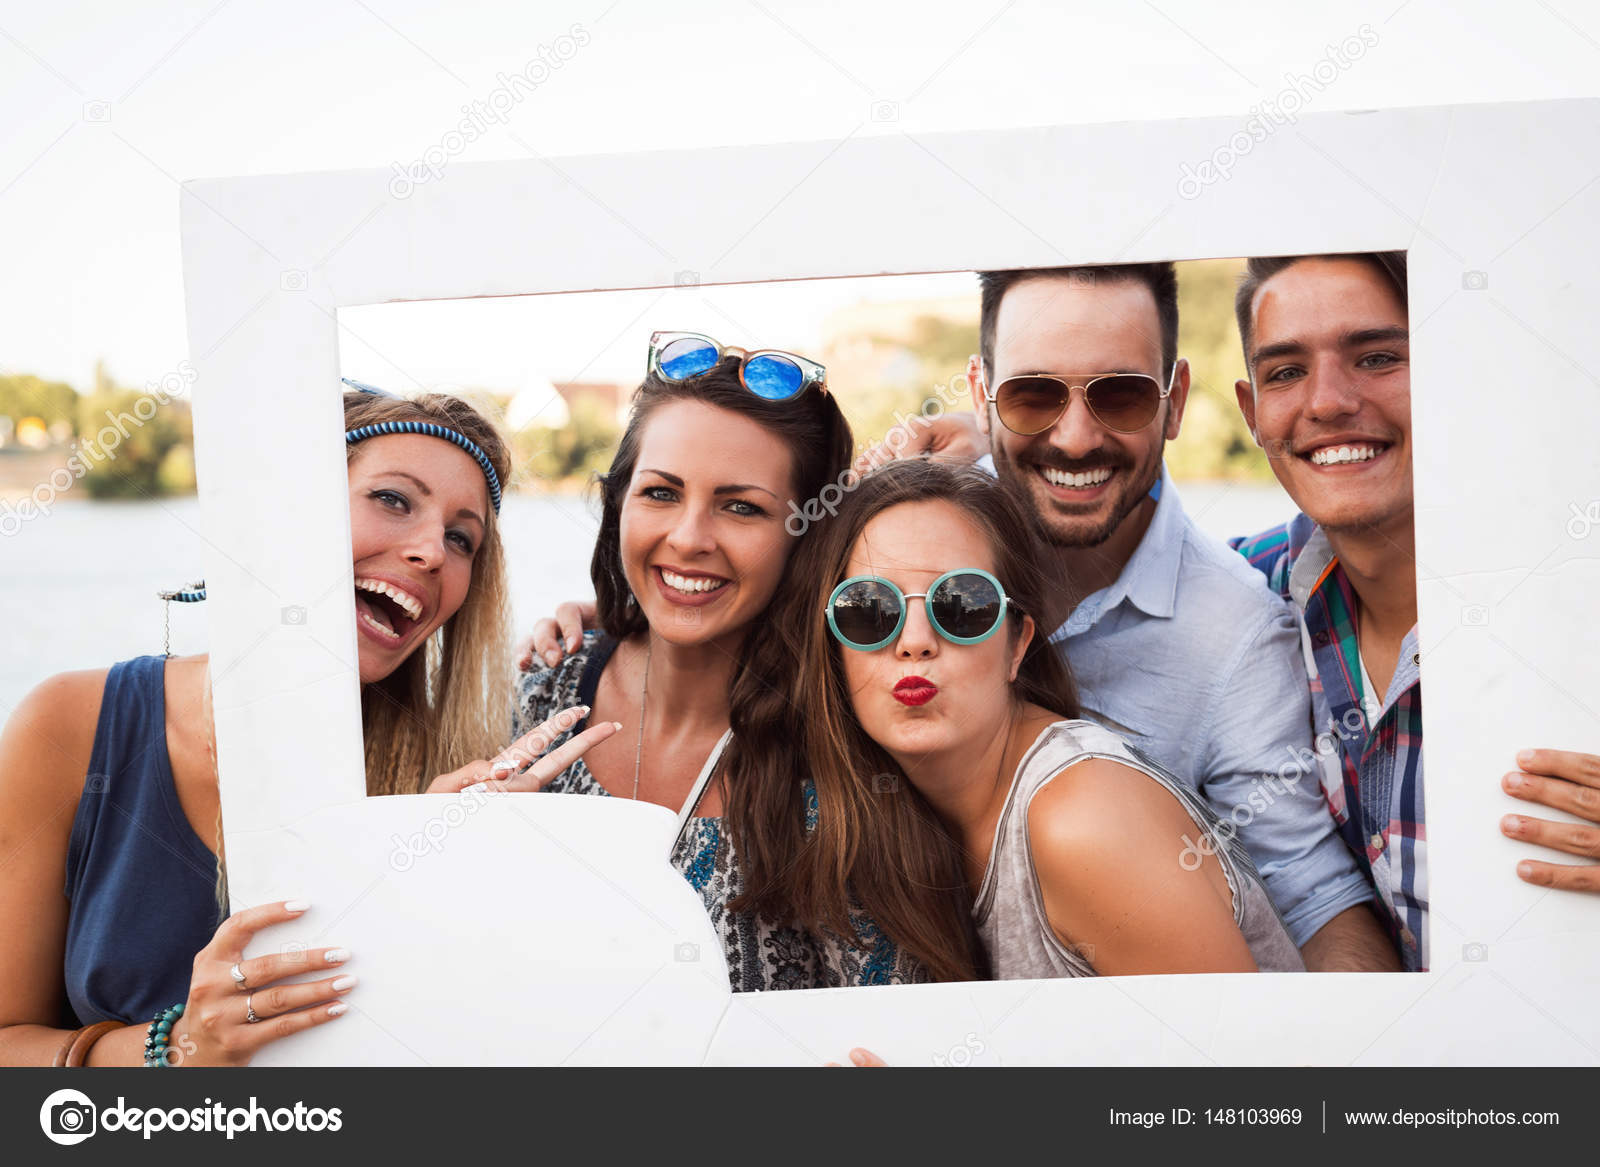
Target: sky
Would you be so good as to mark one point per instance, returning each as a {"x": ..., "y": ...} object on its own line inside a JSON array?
[{"x": 108, "y": 107}]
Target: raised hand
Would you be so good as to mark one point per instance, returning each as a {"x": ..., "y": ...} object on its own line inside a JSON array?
[{"x": 524, "y": 765}]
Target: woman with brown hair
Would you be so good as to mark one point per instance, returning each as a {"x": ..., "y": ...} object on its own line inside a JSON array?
[
  {"x": 722, "y": 447},
  {"x": 961, "y": 800},
  {"x": 108, "y": 780}
]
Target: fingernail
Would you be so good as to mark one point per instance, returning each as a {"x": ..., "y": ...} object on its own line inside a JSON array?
[
  {"x": 617, "y": 725},
  {"x": 343, "y": 983},
  {"x": 336, "y": 955},
  {"x": 1511, "y": 824},
  {"x": 552, "y": 657},
  {"x": 1525, "y": 758},
  {"x": 295, "y": 905},
  {"x": 1514, "y": 781},
  {"x": 858, "y": 1057},
  {"x": 337, "y": 1009},
  {"x": 1525, "y": 870}
]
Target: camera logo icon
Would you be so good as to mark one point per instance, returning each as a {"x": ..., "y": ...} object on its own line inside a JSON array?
[
  {"x": 1475, "y": 616},
  {"x": 884, "y": 783},
  {"x": 292, "y": 280},
  {"x": 1474, "y": 281},
  {"x": 97, "y": 111},
  {"x": 689, "y": 617},
  {"x": 686, "y": 279},
  {"x": 886, "y": 111},
  {"x": 1277, "y": 448},
  {"x": 1475, "y": 953},
  {"x": 686, "y": 952},
  {"x": 67, "y": 1117},
  {"x": 293, "y": 614}
]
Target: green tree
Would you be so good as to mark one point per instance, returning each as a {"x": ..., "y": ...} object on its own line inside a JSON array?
[
  {"x": 129, "y": 440},
  {"x": 1215, "y": 442},
  {"x": 555, "y": 454},
  {"x": 24, "y": 395}
]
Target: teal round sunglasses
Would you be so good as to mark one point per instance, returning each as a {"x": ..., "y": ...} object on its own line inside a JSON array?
[{"x": 965, "y": 606}]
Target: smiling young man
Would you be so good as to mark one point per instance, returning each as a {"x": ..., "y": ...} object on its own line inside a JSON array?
[
  {"x": 1327, "y": 345},
  {"x": 1172, "y": 639}
]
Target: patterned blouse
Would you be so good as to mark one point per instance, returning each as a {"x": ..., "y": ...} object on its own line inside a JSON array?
[{"x": 760, "y": 955}]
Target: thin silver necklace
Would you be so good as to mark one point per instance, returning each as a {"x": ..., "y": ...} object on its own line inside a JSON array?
[{"x": 644, "y": 704}]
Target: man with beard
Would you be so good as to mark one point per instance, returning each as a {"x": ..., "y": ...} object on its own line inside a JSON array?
[
  {"x": 1172, "y": 639},
  {"x": 1327, "y": 345}
]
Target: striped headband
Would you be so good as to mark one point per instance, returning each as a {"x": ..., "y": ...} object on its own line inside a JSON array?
[{"x": 429, "y": 429}]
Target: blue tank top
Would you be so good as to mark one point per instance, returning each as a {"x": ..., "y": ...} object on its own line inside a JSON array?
[{"x": 141, "y": 883}]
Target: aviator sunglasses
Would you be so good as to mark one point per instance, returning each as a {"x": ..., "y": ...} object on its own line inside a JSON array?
[
  {"x": 965, "y": 606},
  {"x": 768, "y": 373},
  {"x": 1034, "y": 402}
]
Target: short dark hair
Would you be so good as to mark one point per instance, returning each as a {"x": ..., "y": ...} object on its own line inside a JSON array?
[
  {"x": 1390, "y": 264},
  {"x": 1160, "y": 278},
  {"x": 810, "y": 425}
]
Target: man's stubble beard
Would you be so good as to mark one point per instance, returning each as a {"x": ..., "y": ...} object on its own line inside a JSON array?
[{"x": 1038, "y": 505}]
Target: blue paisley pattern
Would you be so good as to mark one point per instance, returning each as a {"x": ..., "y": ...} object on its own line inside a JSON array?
[{"x": 761, "y": 956}]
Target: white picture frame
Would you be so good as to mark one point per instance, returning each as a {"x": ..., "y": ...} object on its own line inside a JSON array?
[{"x": 550, "y": 929}]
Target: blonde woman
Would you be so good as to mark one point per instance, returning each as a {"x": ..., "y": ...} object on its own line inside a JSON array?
[{"x": 109, "y": 806}]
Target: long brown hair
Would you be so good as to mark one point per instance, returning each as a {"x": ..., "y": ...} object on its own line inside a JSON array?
[
  {"x": 450, "y": 701},
  {"x": 877, "y": 844}
]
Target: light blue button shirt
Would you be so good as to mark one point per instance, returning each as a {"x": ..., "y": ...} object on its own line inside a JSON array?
[{"x": 1196, "y": 662}]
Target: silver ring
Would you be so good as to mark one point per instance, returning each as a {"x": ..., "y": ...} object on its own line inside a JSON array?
[
  {"x": 238, "y": 978},
  {"x": 249, "y": 1010}
]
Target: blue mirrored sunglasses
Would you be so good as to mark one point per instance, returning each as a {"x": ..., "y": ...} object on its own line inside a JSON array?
[{"x": 768, "y": 373}]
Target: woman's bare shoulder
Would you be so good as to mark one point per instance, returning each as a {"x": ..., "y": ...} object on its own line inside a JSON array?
[{"x": 49, "y": 738}]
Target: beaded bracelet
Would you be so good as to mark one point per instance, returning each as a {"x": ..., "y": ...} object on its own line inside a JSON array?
[{"x": 160, "y": 1032}]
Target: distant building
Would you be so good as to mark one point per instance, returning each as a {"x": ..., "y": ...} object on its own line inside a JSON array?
[
  {"x": 545, "y": 403},
  {"x": 876, "y": 342}
]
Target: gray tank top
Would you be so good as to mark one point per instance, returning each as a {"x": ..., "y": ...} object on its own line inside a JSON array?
[{"x": 1009, "y": 912}]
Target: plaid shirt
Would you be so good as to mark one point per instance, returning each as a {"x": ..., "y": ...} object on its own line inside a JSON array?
[{"x": 1369, "y": 749}]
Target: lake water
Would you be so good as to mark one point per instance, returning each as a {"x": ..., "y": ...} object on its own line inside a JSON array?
[{"x": 78, "y": 587}]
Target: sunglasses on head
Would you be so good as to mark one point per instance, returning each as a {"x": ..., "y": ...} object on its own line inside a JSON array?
[
  {"x": 965, "y": 606},
  {"x": 768, "y": 373},
  {"x": 1034, "y": 402}
]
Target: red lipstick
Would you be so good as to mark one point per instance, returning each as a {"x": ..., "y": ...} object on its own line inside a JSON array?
[{"x": 915, "y": 691}]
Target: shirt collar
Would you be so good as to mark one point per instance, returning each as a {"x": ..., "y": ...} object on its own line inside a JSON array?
[
  {"x": 1309, "y": 566},
  {"x": 1149, "y": 580}
]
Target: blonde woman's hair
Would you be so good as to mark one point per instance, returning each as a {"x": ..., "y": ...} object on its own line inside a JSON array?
[{"x": 450, "y": 702}]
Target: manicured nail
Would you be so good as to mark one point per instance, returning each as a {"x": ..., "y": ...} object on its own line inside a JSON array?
[
  {"x": 337, "y": 1009},
  {"x": 336, "y": 955},
  {"x": 1514, "y": 781},
  {"x": 617, "y": 725},
  {"x": 1511, "y": 824},
  {"x": 1525, "y": 870},
  {"x": 858, "y": 1057},
  {"x": 295, "y": 905},
  {"x": 345, "y": 982},
  {"x": 552, "y": 657},
  {"x": 1525, "y": 758}
]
